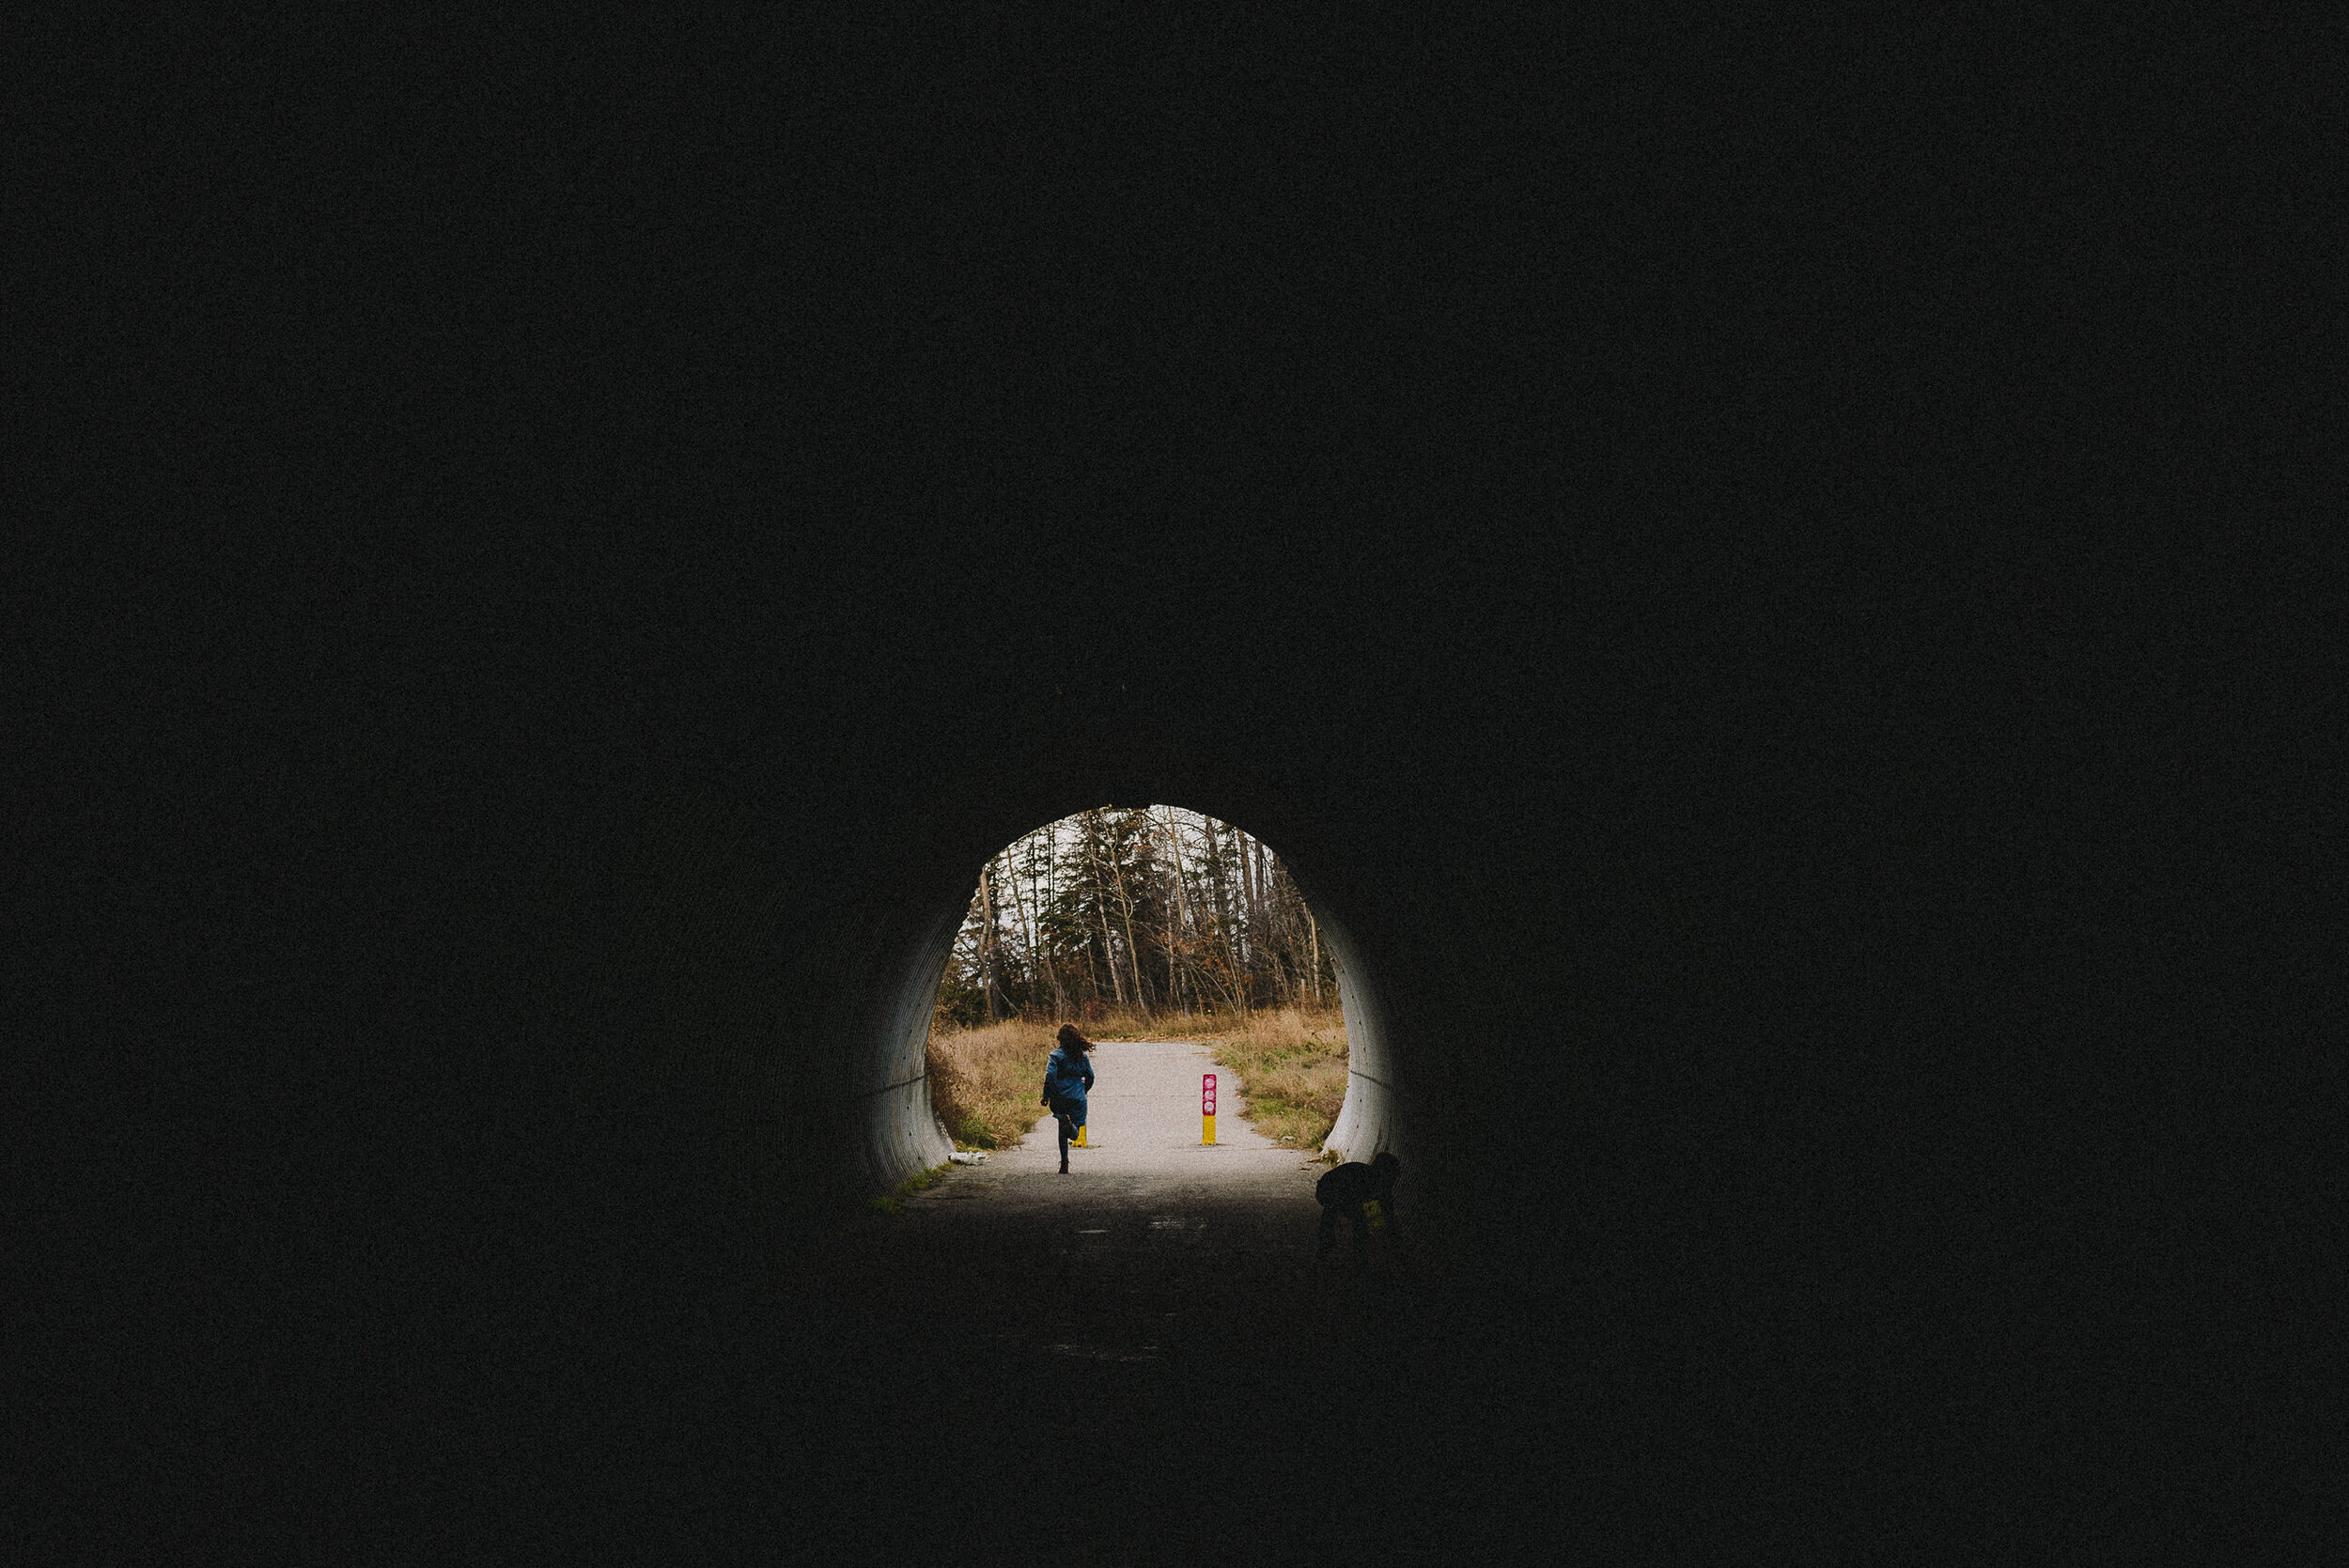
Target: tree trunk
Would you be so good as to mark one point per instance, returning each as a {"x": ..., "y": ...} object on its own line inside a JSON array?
[
  {"x": 1253, "y": 934},
  {"x": 1126, "y": 913},
  {"x": 1051, "y": 896},
  {"x": 1181, "y": 924},
  {"x": 1313, "y": 932},
  {"x": 987, "y": 979},
  {"x": 1286, "y": 902},
  {"x": 1237, "y": 916},
  {"x": 1101, "y": 908},
  {"x": 1020, "y": 915}
]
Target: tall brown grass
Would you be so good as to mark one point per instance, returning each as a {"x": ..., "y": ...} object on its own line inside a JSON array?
[
  {"x": 1291, "y": 1064},
  {"x": 1292, "y": 1071},
  {"x": 984, "y": 1081}
]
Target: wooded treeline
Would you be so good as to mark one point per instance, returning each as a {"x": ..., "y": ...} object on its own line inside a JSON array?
[{"x": 1146, "y": 910}]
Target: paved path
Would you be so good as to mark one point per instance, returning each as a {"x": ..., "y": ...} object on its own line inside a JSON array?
[
  {"x": 1140, "y": 1363},
  {"x": 1150, "y": 1230},
  {"x": 1145, "y": 1111},
  {"x": 1154, "y": 1328}
]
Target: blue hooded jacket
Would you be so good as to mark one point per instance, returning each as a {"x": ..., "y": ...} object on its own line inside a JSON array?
[{"x": 1067, "y": 1073}]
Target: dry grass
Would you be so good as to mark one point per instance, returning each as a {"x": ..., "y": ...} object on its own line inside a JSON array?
[
  {"x": 984, "y": 1081},
  {"x": 1124, "y": 1024},
  {"x": 1291, "y": 1065},
  {"x": 1292, "y": 1071}
]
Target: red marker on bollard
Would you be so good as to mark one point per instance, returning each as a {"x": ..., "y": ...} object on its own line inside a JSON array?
[{"x": 1206, "y": 1109}]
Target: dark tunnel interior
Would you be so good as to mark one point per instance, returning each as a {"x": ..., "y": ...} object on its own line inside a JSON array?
[
  {"x": 1751, "y": 1043},
  {"x": 563, "y": 573}
]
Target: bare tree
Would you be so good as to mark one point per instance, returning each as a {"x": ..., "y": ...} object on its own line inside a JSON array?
[
  {"x": 1037, "y": 959},
  {"x": 1180, "y": 923},
  {"x": 1133, "y": 950},
  {"x": 1313, "y": 929},
  {"x": 990, "y": 975},
  {"x": 1219, "y": 903},
  {"x": 1101, "y": 907}
]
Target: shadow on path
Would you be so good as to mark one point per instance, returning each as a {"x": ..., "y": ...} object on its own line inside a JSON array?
[{"x": 1140, "y": 1361}]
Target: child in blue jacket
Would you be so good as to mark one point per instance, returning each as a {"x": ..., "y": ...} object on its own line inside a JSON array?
[{"x": 1067, "y": 1074}]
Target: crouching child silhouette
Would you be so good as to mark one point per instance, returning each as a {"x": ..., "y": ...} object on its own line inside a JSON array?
[{"x": 1363, "y": 1196}]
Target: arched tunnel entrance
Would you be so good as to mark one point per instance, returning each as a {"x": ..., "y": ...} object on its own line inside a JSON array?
[
  {"x": 770, "y": 1075},
  {"x": 899, "y": 1134},
  {"x": 1166, "y": 1317}
]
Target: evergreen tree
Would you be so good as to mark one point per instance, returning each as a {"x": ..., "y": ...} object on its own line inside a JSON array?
[{"x": 1141, "y": 907}]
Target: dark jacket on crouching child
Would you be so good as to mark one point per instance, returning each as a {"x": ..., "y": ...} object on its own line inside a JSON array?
[{"x": 1364, "y": 1195}]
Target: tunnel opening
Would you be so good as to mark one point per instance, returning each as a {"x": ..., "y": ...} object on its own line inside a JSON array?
[
  {"x": 1138, "y": 923},
  {"x": 1158, "y": 920}
]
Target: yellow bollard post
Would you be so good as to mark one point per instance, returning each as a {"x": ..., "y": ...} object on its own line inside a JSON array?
[
  {"x": 1206, "y": 1110},
  {"x": 1080, "y": 1139},
  {"x": 1206, "y": 1128}
]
